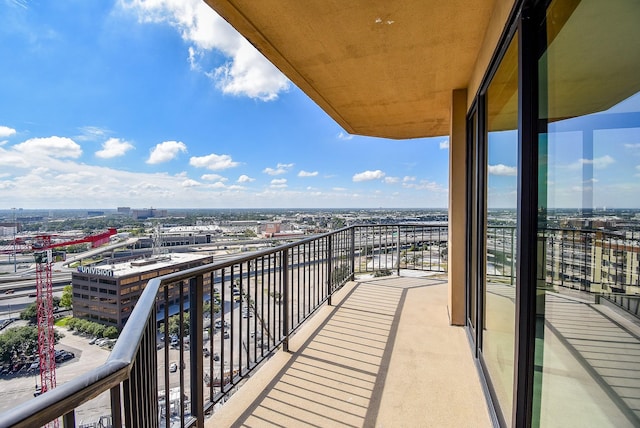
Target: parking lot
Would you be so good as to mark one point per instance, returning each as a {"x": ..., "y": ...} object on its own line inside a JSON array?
[{"x": 16, "y": 389}]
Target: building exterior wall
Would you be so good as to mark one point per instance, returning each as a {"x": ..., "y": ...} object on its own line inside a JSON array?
[{"x": 457, "y": 208}]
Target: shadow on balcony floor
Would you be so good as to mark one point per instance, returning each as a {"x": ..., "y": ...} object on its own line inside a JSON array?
[{"x": 384, "y": 355}]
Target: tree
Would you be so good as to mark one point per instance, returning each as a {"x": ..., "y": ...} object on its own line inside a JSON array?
[
  {"x": 66, "y": 301},
  {"x": 277, "y": 296},
  {"x": 110, "y": 332},
  {"x": 206, "y": 308},
  {"x": 20, "y": 341},
  {"x": 29, "y": 313},
  {"x": 174, "y": 324}
]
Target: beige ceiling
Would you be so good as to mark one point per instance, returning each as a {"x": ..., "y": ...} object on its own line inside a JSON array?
[{"x": 378, "y": 67}]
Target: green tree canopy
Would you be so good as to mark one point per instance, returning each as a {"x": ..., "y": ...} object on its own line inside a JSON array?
[{"x": 66, "y": 301}]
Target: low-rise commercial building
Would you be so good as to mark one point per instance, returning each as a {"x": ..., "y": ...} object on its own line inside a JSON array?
[{"x": 107, "y": 294}]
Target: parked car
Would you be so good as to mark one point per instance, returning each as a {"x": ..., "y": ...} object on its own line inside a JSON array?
[
  {"x": 218, "y": 324},
  {"x": 64, "y": 356},
  {"x": 205, "y": 352},
  {"x": 173, "y": 368}
]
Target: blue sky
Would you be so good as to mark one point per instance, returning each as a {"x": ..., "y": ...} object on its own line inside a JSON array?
[{"x": 162, "y": 104}]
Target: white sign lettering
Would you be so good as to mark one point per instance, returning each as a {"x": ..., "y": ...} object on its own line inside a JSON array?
[{"x": 95, "y": 271}]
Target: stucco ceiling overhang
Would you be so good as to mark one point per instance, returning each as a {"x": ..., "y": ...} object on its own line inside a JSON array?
[{"x": 379, "y": 68}]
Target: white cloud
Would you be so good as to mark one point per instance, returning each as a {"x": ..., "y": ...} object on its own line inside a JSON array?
[
  {"x": 431, "y": 186},
  {"x": 344, "y": 137},
  {"x": 503, "y": 170},
  {"x": 247, "y": 73},
  {"x": 166, "y": 151},
  {"x": 278, "y": 183},
  {"x": 339, "y": 189},
  {"x": 218, "y": 185},
  {"x": 114, "y": 147},
  {"x": 190, "y": 183},
  {"x": 5, "y": 131},
  {"x": 213, "y": 162},
  {"x": 444, "y": 145},
  {"x": 92, "y": 133},
  {"x": 598, "y": 163},
  {"x": 245, "y": 179},
  {"x": 392, "y": 180},
  {"x": 56, "y": 147},
  {"x": 281, "y": 168},
  {"x": 408, "y": 178},
  {"x": 213, "y": 177},
  {"x": 602, "y": 162},
  {"x": 304, "y": 173},
  {"x": 368, "y": 175},
  {"x": 634, "y": 146}
]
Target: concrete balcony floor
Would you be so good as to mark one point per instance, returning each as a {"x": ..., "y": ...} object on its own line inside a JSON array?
[{"x": 383, "y": 355}]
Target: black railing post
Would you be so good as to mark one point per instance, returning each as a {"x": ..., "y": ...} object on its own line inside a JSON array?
[
  {"x": 196, "y": 297},
  {"x": 513, "y": 255},
  {"x": 69, "y": 420},
  {"x": 398, "y": 250},
  {"x": 116, "y": 407},
  {"x": 353, "y": 253},
  {"x": 329, "y": 268},
  {"x": 285, "y": 297}
]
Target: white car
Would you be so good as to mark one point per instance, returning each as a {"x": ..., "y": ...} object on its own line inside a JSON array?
[{"x": 173, "y": 368}]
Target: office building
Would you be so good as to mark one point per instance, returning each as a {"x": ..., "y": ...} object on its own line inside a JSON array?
[{"x": 107, "y": 294}]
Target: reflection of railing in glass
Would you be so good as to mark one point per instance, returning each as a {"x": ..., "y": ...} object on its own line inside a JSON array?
[{"x": 586, "y": 260}]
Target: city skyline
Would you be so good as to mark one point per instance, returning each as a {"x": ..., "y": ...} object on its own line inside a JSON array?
[{"x": 163, "y": 104}]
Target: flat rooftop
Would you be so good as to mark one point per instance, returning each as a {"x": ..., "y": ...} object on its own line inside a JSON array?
[{"x": 143, "y": 265}]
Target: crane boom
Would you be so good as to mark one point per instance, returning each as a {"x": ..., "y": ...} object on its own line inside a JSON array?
[{"x": 44, "y": 304}]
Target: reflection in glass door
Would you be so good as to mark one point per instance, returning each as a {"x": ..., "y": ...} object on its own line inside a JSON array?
[
  {"x": 498, "y": 224},
  {"x": 587, "y": 350}
]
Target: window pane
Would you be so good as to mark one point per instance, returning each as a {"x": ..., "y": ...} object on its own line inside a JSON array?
[
  {"x": 587, "y": 361},
  {"x": 501, "y": 191}
]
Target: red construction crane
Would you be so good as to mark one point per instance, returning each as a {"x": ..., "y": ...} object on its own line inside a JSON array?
[
  {"x": 44, "y": 310},
  {"x": 42, "y": 251}
]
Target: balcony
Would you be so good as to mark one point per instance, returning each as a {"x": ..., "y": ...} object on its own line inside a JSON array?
[
  {"x": 312, "y": 326},
  {"x": 347, "y": 328}
]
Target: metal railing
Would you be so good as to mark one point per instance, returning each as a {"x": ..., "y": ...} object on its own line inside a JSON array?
[{"x": 194, "y": 336}]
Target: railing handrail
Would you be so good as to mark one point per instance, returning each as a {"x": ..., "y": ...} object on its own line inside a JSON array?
[{"x": 55, "y": 403}]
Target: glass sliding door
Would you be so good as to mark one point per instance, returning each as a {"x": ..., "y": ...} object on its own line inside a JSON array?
[
  {"x": 587, "y": 347},
  {"x": 496, "y": 202}
]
